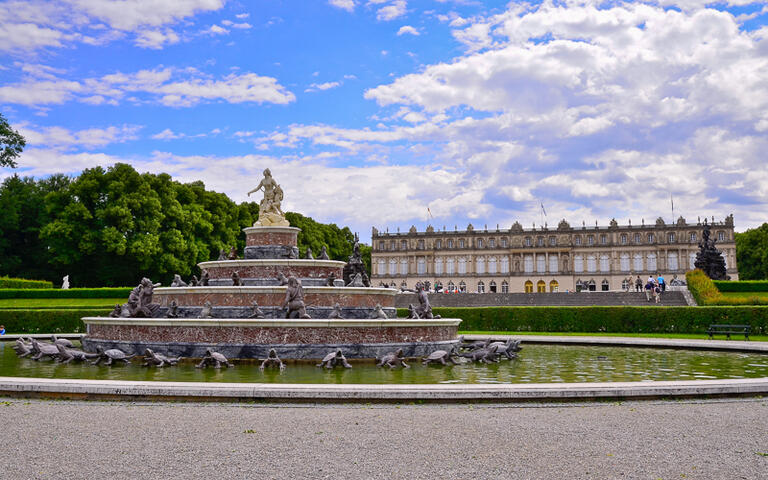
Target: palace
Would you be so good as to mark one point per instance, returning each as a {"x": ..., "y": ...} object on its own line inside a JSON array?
[{"x": 544, "y": 259}]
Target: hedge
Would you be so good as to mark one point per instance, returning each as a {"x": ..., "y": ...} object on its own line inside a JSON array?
[
  {"x": 7, "y": 282},
  {"x": 742, "y": 286},
  {"x": 47, "y": 321},
  {"x": 706, "y": 291},
  {"x": 613, "y": 319},
  {"x": 111, "y": 292}
]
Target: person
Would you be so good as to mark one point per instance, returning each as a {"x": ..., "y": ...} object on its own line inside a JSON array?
[
  {"x": 648, "y": 289},
  {"x": 657, "y": 294},
  {"x": 638, "y": 284},
  {"x": 2, "y": 329},
  {"x": 662, "y": 284}
]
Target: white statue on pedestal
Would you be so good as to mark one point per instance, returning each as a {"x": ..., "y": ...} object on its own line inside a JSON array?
[
  {"x": 65, "y": 283},
  {"x": 270, "y": 213}
]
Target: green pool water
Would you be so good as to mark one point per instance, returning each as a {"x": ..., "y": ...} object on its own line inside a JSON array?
[{"x": 536, "y": 364}]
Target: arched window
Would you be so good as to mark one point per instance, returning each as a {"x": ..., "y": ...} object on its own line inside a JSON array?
[
  {"x": 450, "y": 243},
  {"x": 528, "y": 242},
  {"x": 449, "y": 266},
  {"x": 652, "y": 262},
  {"x": 480, "y": 287},
  {"x": 404, "y": 267},
  {"x": 638, "y": 238},
  {"x": 480, "y": 265},
  {"x": 591, "y": 263},
  {"x": 492, "y": 265},
  {"x": 541, "y": 263},
  {"x": 451, "y": 287},
  {"x": 605, "y": 286},
  {"x": 650, "y": 238},
  {"x": 492, "y": 287},
  {"x": 438, "y": 266},
  {"x": 541, "y": 287},
  {"x": 528, "y": 263},
  {"x": 504, "y": 287},
  {"x": 553, "y": 263},
  {"x": 578, "y": 263},
  {"x": 624, "y": 262},
  {"x": 671, "y": 237},
  {"x": 421, "y": 266},
  {"x": 605, "y": 263},
  {"x": 638, "y": 263},
  {"x": 528, "y": 286},
  {"x": 393, "y": 266},
  {"x": 381, "y": 269},
  {"x": 539, "y": 241},
  {"x": 461, "y": 243},
  {"x": 404, "y": 245},
  {"x": 462, "y": 266},
  {"x": 590, "y": 240},
  {"x": 504, "y": 264},
  {"x": 438, "y": 243},
  {"x": 554, "y": 286},
  {"x": 672, "y": 261},
  {"x": 462, "y": 287}
]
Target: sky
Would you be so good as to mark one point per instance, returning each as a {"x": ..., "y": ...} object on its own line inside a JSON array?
[{"x": 392, "y": 113}]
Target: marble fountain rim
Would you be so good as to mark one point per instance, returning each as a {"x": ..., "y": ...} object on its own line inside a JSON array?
[
  {"x": 269, "y": 229},
  {"x": 270, "y": 262},
  {"x": 274, "y": 289},
  {"x": 274, "y": 322}
]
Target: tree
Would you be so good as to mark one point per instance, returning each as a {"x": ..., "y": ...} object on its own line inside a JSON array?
[
  {"x": 752, "y": 253},
  {"x": 314, "y": 235},
  {"x": 11, "y": 144}
]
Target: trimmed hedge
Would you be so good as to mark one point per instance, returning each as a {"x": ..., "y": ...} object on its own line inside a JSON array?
[
  {"x": 7, "y": 282},
  {"x": 111, "y": 292},
  {"x": 706, "y": 292},
  {"x": 614, "y": 319},
  {"x": 47, "y": 321},
  {"x": 742, "y": 286}
]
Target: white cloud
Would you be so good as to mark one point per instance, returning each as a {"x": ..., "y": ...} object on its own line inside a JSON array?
[
  {"x": 395, "y": 9},
  {"x": 322, "y": 86},
  {"x": 155, "y": 39},
  {"x": 216, "y": 30},
  {"x": 407, "y": 29},
  {"x": 130, "y": 14},
  {"x": 62, "y": 138},
  {"x": 348, "y": 5}
]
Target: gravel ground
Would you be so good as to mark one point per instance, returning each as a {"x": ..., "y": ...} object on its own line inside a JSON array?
[{"x": 725, "y": 439}]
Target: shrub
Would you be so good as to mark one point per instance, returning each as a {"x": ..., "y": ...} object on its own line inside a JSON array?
[
  {"x": 7, "y": 282},
  {"x": 702, "y": 287},
  {"x": 742, "y": 286},
  {"x": 111, "y": 292},
  {"x": 47, "y": 320},
  {"x": 614, "y": 319}
]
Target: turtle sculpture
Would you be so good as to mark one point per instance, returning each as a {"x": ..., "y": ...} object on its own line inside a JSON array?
[
  {"x": 509, "y": 348},
  {"x": 378, "y": 312},
  {"x": 333, "y": 359},
  {"x": 66, "y": 355},
  {"x": 441, "y": 356},
  {"x": 393, "y": 359},
  {"x": 44, "y": 350},
  {"x": 22, "y": 348},
  {"x": 485, "y": 355},
  {"x": 474, "y": 345},
  {"x": 272, "y": 359},
  {"x": 158, "y": 359},
  {"x": 207, "y": 310},
  {"x": 336, "y": 312},
  {"x": 112, "y": 355},
  {"x": 61, "y": 341},
  {"x": 213, "y": 358}
]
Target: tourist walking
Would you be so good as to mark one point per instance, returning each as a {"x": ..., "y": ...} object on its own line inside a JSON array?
[
  {"x": 638, "y": 284},
  {"x": 662, "y": 284},
  {"x": 657, "y": 294},
  {"x": 649, "y": 289}
]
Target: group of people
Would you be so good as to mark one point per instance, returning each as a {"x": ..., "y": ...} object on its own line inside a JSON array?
[{"x": 653, "y": 287}]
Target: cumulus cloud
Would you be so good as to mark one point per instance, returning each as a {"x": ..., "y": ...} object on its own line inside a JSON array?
[
  {"x": 407, "y": 29},
  {"x": 348, "y": 5},
  {"x": 394, "y": 9},
  {"x": 322, "y": 86},
  {"x": 62, "y": 138}
]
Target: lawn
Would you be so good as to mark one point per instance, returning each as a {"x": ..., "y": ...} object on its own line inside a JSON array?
[
  {"x": 694, "y": 336},
  {"x": 760, "y": 295},
  {"x": 32, "y": 303}
]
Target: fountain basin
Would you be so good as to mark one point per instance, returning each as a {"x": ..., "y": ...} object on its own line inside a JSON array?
[{"x": 265, "y": 271}]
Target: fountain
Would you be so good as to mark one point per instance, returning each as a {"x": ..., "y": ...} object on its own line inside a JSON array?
[{"x": 270, "y": 299}]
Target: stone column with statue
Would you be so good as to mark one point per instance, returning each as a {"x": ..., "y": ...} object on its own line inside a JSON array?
[{"x": 270, "y": 213}]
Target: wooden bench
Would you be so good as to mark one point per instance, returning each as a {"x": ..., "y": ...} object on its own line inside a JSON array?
[{"x": 728, "y": 330}]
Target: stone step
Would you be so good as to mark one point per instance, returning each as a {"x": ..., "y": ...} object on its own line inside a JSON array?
[{"x": 669, "y": 298}]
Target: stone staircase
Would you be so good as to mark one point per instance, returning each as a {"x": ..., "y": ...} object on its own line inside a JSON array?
[{"x": 581, "y": 299}]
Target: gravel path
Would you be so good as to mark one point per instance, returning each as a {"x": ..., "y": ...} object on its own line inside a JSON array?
[{"x": 725, "y": 439}]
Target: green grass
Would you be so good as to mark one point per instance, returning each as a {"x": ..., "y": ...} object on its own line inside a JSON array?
[
  {"x": 33, "y": 303},
  {"x": 760, "y": 295},
  {"x": 693, "y": 336}
]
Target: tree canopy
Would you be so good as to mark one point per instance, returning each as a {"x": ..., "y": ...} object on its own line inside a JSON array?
[
  {"x": 752, "y": 253},
  {"x": 11, "y": 144}
]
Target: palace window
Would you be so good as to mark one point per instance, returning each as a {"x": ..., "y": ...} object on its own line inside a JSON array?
[
  {"x": 650, "y": 238},
  {"x": 638, "y": 238},
  {"x": 693, "y": 237},
  {"x": 449, "y": 266},
  {"x": 393, "y": 267},
  {"x": 625, "y": 285},
  {"x": 381, "y": 246},
  {"x": 461, "y": 243},
  {"x": 541, "y": 287},
  {"x": 605, "y": 263},
  {"x": 540, "y": 241},
  {"x": 479, "y": 243},
  {"x": 624, "y": 262},
  {"x": 528, "y": 286},
  {"x": 492, "y": 243},
  {"x": 528, "y": 241},
  {"x": 720, "y": 236},
  {"x": 504, "y": 264},
  {"x": 671, "y": 237},
  {"x": 591, "y": 263},
  {"x": 492, "y": 287},
  {"x": 421, "y": 244},
  {"x": 403, "y": 267},
  {"x": 451, "y": 287},
  {"x": 605, "y": 286},
  {"x": 623, "y": 238},
  {"x": 638, "y": 263},
  {"x": 528, "y": 264},
  {"x": 480, "y": 266},
  {"x": 504, "y": 287},
  {"x": 652, "y": 262},
  {"x": 578, "y": 263},
  {"x": 541, "y": 263},
  {"x": 391, "y": 244},
  {"x": 554, "y": 286},
  {"x": 552, "y": 241},
  {"x": 672, "y": 261},
  {"x": 462, "y": 287},
  {"x": 438, "y": 266},
  {"x": 381, "y": 269},
  {"x": 492, "y": 265},
  {"x": 450, "y": 243},
  {"x": 438, "y": 243},
  {"x": 577, "y": 240},
  {"x": 480, "y": 287},
  {"x": 553, "y": 263},
  {"x": 462, "y": 266},
  {"x": 590, "y": 240},
  {"x": 421, "y": 266},
  {"x": 404, "y": 245},
  {"x": 504, "y": 243},
  {"x": 603, "y": 239}
]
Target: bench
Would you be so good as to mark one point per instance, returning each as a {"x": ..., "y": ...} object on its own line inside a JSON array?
[{"x": 728, "y": 330}]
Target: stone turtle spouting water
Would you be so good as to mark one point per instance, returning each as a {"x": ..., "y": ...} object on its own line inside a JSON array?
[
  {"x": 334, "y": 359},
  {"x": 61, "y": 341},
  {"x": 485, "y": 355},
  {"x": 112, "y": 355},
  {"x": 214, "y": 358},
  {"x": 509, "y": 348},
  {"x": 66, "y": 355},
  {"x": 272, "y": 360},
  {"x": 393, "y": 359},
  {"x": 441, "y": 356},
  {"x": 158, "y": 359}
]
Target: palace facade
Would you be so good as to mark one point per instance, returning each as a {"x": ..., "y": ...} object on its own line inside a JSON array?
[{"x": 544, "y": 259}]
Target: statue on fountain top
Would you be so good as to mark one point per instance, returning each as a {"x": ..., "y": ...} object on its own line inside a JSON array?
[{"x": 270, "y": 213}]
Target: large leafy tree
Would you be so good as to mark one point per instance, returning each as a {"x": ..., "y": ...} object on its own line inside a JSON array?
[
  {"x": 752, "y": 253},
  {"x": 11, "y": 144},
  {"x": 314, "y": 235}
]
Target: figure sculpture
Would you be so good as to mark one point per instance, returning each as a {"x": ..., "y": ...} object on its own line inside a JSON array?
[
  {"x": 65, "y": 282},
  {"x": 334, "y": 359},
  {"x": 272, "y": 359},
  {"x": 173, "y": 310},
  {"x": 207, "y": 311},
  {"x": 355, "y": 265},
  {"x": 378, "y": 312},
  {"x": 139, "y": 303},
  {"x": 336, "y": 312},
  {"x": 270, "y": 213},
  {"x": 214, "y": 358},
  {"x": 281, "y": 279},
  {"x": 357, "y": 281},
  {"x": 709, "y": 259},
  {"x": 232, "y": 254},
  {"x": 294, "y": 299},
  {"x": 222, "y": 254},
  {"x": 194, "y": 282},
  {"x": 412, "y": 313},
  {"x": 331, "y": 280},
  {"x": 236, "y": 279},
  {"x": 256, "y": 311},
  {"x": 178, "y": 282},
  {"x": 323, "y": 253},
  {"x": 309, "y": 255},
  {"x": 424, "y": 310},
  {"x": 204, "y": 278},
  {"x": 393, "y": 359}
]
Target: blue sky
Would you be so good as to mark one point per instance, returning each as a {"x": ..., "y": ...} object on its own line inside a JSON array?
[{"x": 370, "y": 112}]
